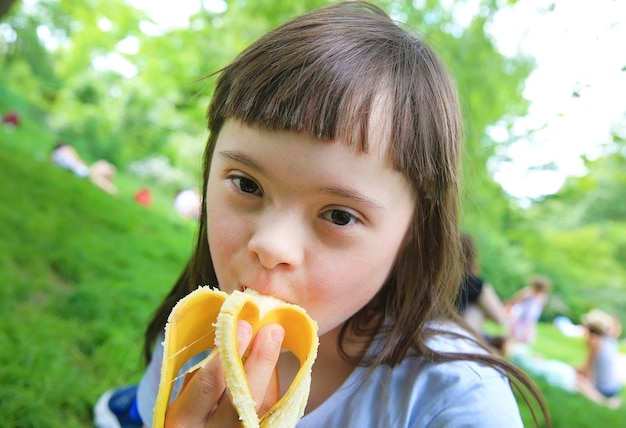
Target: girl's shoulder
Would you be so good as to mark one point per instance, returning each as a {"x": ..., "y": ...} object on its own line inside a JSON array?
[
  {"x": 450, "y": 338},
  {"x": 456, "y": 393}
]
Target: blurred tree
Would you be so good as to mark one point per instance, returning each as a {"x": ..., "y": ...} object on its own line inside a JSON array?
[
  {"x": 580, "y": 233},
  {"x": 596, "y": 197},
  {"x": 130, "y": 88},
  {"x": 5, "y": 6},
  {"x": 26, "y": 63}
]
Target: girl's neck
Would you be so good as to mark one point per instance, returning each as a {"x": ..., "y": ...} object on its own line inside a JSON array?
[{"x": 329, "y": 372}]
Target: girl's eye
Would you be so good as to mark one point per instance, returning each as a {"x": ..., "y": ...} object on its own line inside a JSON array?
[
  {"x": 246, "y": 185},
  {"x": 339, "y": 217}
]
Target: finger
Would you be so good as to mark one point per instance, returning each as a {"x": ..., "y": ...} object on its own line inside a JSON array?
[
  {"x": 243, "y": 338},
  {"x": 244, "y": 334},
  {"x": 225, "y": 414},
  {"x": 261, "y": 363},
  {"x": 198, "y": 400},
  {"x": 272, "y": 395}
]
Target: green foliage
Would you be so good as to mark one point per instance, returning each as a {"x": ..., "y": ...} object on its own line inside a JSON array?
[
  {"x": 580, "y": 237},
  {"x": 128, "y": 117},
  {"x": 595, "y": 197}
]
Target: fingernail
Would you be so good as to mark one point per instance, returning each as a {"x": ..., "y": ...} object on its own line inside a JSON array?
[{"x": 278, "y": 335}]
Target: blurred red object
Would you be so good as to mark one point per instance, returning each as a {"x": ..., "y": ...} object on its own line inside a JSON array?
[
  {"x": 12, "y": 118},
  {"x": 143, "y": 197}
]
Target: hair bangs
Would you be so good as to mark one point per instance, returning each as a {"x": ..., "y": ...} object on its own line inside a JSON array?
[
  {"x": 321, "y": 74},
  {"x": 331, "y": 100}
]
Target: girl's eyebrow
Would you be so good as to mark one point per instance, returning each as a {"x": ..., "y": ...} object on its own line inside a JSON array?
[
  {"x": 240, "y": 157},
  {"x": 358, "y": 197},
  {"x": 353, "y": 195}
]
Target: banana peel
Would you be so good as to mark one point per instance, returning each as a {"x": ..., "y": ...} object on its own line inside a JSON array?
[{"x": 207, "y": 318}]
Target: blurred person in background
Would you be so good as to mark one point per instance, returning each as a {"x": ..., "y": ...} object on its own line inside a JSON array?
[
  {"x": 599, "y": 378},
  {"x": 526, "y": 307},
  {"x": 101, "y": 173},
  {"x": 66, "y": 156},
  {"x": 477, "y": 300}
]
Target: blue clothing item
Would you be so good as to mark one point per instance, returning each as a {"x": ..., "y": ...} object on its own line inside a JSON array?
[
  {"x": 416, "y": 393},
  {"x": 605, "y": 371},
  {"x": 118, "y": 409}
]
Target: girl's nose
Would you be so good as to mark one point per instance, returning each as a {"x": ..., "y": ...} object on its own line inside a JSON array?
[{"x": 278, "y": 240}]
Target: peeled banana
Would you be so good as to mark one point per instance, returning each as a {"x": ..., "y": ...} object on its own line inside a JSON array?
[{"x": 207, "y": 318}]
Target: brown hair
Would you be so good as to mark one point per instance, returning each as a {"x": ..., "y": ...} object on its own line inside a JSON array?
[
  {"x": 541, "y": 283},
  {"x": 470, "y": 254},
  {"x": 323, "y": 73}
]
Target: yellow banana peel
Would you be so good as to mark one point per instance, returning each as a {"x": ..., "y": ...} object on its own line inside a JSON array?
[{"x": 207, "y": 318}]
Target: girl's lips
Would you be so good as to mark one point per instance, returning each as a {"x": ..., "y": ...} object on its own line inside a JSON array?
[{"x": 243, "y": 288}]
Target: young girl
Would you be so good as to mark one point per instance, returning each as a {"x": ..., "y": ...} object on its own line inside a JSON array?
[
  {"x": 331, "y": 181},
  {"x": 525, "y": 309}
]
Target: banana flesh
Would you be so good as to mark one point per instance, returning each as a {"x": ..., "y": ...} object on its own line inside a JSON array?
[{"x": 207, "y": 318}]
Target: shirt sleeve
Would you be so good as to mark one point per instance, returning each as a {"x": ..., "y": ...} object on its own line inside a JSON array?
[{"x": 149, "y": 385}]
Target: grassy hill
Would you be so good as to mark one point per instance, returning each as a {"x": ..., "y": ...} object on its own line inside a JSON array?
[{"x": 81, "y": 272}]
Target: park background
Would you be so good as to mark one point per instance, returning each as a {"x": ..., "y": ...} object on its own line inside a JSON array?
[{"x": 82, "y": 270}]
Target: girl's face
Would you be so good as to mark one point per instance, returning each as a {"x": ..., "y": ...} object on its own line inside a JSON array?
[{"x": 313, "y": 223}]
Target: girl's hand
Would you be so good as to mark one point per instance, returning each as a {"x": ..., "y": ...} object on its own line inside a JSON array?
[{"x": 203, "y": 401}]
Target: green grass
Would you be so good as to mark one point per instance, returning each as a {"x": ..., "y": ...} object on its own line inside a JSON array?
[{"x": 82, "y": 271}]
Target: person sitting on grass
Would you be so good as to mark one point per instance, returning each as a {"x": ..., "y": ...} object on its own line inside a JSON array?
[
  {"x": 598, "y": 379},
  {"x": 526, "y": 307},
  {"x": 477, "y": 300},
  {"x": 558, "y": 374}
]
